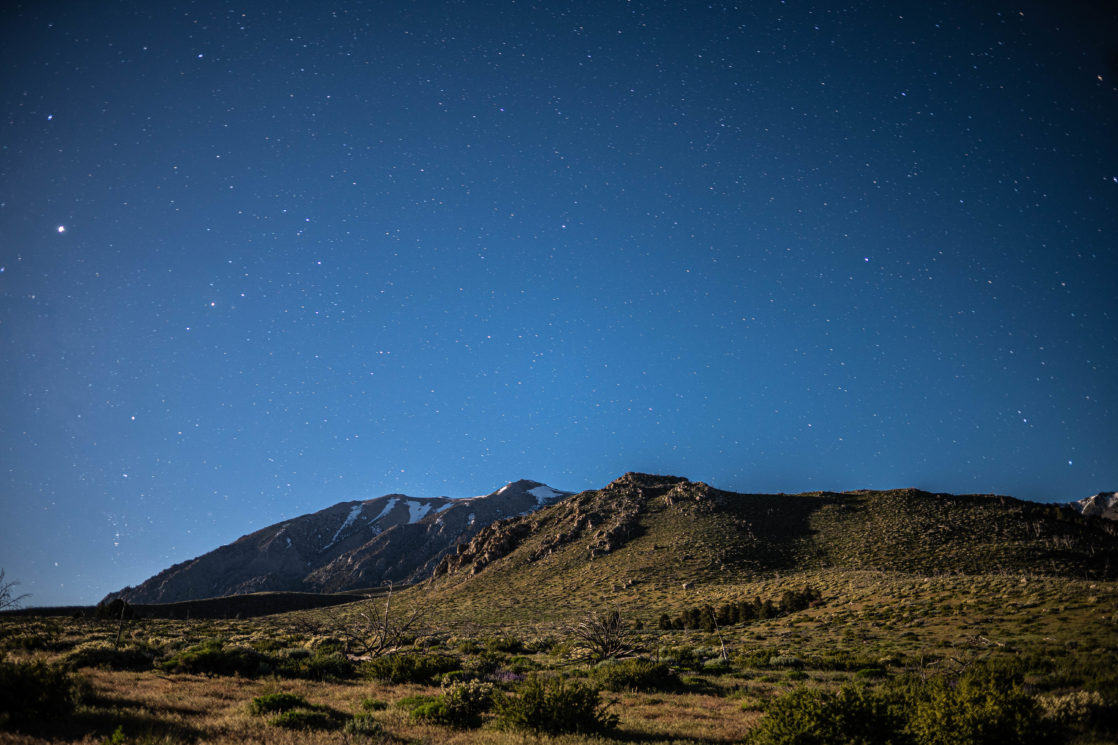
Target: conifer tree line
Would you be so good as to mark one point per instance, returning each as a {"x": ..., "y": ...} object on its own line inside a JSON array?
[{"x": 708, "y": 618}]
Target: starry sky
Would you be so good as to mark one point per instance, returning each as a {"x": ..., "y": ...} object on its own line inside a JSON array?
[{"x": 258, "y": 258}]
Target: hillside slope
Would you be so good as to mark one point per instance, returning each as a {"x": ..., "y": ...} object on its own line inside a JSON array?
[{"x": 646, "y": 539}]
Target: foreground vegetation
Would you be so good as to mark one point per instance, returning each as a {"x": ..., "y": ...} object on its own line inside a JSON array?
[{"x": 815, "y": 657}]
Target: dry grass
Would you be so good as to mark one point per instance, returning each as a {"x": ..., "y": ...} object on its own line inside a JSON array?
[{"x": 898, "y": 621}]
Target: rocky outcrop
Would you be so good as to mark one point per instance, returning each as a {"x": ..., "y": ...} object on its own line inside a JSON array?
[{"x": 605, "y": 520}]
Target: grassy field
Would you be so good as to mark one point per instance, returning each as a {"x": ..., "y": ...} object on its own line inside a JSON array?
[{"x": 871, "y": 630}]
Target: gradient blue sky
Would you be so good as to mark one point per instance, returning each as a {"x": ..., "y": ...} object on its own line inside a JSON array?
[{"x": 258, "y": 258}]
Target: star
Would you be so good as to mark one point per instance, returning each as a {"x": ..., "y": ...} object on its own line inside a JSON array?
[{"x": 61, "y": 228}]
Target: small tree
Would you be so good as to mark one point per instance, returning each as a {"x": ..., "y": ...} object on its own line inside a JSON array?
[
  {"x": 602, "y": 637},
  {"x": 8, "y": 599}
]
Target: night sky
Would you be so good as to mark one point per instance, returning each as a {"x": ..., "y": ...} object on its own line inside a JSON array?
[{"x": 260, "y": 258}]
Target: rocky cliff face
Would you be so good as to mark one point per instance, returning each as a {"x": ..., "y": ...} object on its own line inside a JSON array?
[{"x": 352, "y": 545}]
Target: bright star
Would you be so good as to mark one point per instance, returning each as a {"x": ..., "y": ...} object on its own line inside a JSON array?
[{"x": 61, "y": 228}]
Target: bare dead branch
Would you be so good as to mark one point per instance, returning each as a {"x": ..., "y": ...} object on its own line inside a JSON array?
[
  {"x": 8, "y": 599},
  {"x": 369, "y": 632},
  {"x": 602, "y": 637}
]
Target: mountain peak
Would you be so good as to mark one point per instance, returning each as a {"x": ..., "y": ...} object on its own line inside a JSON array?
[
  {"x": 1104, "y": 504},
  {"x": 350, "y": 545}
]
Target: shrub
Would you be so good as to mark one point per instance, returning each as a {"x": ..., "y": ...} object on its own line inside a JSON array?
[
  {"x": 979, "y": 709},
  {"x": 554, "y": 706},
  {"x": 465, "y": 703},
  {"x": 317, "y": 666},
  {"x": 373, "y": 704},
  {"x": 413, "y": 702},
  {"x": 982, "y": 708},
  {"x": 469, "y": 646},
  {"x": 636, "y": 675},
  {"x": 504, "y": 644},
  {"x": 34, "y": 691},
  {"x": 363, "y": 724},
  {"x": 716, "y": 665},
  {"x": 105, "y": 655},
  {"x": 304, "y": 719},
  {"x": 808, "y": 717},
  {"x": 460, "y": 705},
  {"x": 754, "y": 659},
  {"x": 270, "y": 703},
  {"x": 868, "y": 673},
  {"x": 521, "y": 664},
  {"x": 431, "y": 711},
  {"x": 32, "y": 637},
  {"x": 1076, "y": 707},
  {"x": 410, "y": 668},
  {"x": 213, "y": 658}
]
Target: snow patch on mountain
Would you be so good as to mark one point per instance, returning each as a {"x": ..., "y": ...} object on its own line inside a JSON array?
[
  {"x": 387, "y": 508},
  {"x": 416, "y": 511},
  {"x": 353, "y": 513},
  {"x": 544, "y": 494}
]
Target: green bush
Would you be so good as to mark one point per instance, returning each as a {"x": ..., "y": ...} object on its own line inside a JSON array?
[
  {"x": 465, "y": 703},
  {"x": 850, "y": 717},
  {"x": 213, "y": 658},
  {"x": 410, "y": 668},
  {"x": 554, "y": 706},
  {"x": 979, "y": 709},
  {"x": 431, "y": 711},
  {"x": 304, "y": 719},
  {"x": 373, "y": 704},
  {"x": 270, "y": 703},
  {"x": 363, "y": 724},
  {"x": 636, "y": 675},
  {"x": 716, "y": 665},
  {"x": 317, "y": 666},
  {"x": 34, "y": 691},
  {"x": 868, "y": 673},
  {"x": 505, "y": 645},
  {"x": 461, "y": 704},
  {"x": 105, "y": 655},
  {"x": 414, "y": 701}
]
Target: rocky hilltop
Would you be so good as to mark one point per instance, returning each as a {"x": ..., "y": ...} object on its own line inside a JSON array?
[
  {"x": 352, "y": 545},
  {"x": 647, "y": 536}
]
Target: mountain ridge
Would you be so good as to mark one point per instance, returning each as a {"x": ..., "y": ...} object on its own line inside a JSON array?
[
  {"x": 647, "y": 540},
  {"x": 402, "y": 540},
  {"x": 393, "y": 538}
]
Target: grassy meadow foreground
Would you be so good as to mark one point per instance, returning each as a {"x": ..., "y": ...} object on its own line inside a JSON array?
[{"x": 833, "y": 654}]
